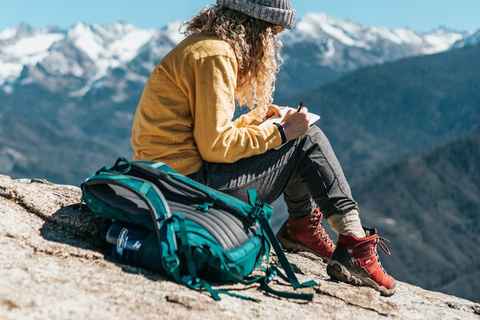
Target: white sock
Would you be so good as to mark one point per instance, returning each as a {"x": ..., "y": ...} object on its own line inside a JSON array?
[{"x": 347, "y": 224}]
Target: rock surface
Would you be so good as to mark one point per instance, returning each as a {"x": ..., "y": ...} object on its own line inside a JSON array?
[{"x": 51, "y": 269}]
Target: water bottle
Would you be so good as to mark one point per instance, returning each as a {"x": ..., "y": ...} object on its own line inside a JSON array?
[{"x": 122, "y": 240}]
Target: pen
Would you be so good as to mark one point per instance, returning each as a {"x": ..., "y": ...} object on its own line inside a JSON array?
[{"x": 300, "y": 106}]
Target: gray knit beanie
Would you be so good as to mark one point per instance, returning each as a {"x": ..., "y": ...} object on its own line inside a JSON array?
[{"x": 277, "y": 12}]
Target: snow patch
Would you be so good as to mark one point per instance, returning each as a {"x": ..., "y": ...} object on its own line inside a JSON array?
[
  {"x": 33, "y": 47},
  {"x": 84, "y": 39},
  {"x": 441, "y": 41},
  {"x": 330, "y": 53},
  {"x": 407, "y": 36},
  {"x": 9, "y": 71},
  {"x": 338, "y": 34},
  {"x": 126, "y": 48},
  {"x": 8, "y": 33}
]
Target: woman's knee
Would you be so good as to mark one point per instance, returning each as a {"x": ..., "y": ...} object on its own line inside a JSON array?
[{"x": 317, "y": 136}]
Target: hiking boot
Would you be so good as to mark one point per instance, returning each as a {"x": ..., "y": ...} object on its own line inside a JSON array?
[
  {"x": 356, "y": 261},
  {"x": 306, "y": 234}
]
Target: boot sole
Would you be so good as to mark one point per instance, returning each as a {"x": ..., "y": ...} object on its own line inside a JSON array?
[
  {"x": 290, "y": 245},
  {"x": 338, "y": 271}
]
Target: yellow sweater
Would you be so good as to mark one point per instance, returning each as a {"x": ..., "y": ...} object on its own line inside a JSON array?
[{"x": 187, "y": 106}]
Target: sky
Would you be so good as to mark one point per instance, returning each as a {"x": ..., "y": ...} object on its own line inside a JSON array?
[{"x": 419, "y": 15}]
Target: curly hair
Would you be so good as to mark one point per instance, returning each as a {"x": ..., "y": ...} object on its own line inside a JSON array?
[{"x": 257, "y": 50}]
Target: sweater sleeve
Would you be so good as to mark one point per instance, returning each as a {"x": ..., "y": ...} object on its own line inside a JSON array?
[
  {"x": 247, "y": 119},
  {"x": 218, "y": 138}
]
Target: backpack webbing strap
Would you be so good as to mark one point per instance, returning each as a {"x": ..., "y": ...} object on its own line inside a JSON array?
[
  {"x": 272, "y": 272},
  {"x": 168, "y": 245},
  {"x": 260, "y": 212},
  {"x": 184, "y": 247}
]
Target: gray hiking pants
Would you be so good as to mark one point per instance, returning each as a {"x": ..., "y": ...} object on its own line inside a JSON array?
[{"x": 305, "y": 170}]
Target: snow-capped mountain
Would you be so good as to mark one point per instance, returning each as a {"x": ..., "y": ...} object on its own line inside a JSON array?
[
  {"x": 85, "y": 57},
  {"x": 324, "y": 29},
  {"x": 77, "y": 58},
  {"x": 320, "y": 49}
]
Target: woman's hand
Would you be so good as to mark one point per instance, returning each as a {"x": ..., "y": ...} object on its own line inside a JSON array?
[
  {"x": 295, "y": 123},
  {"x": 273, "y": 111}
]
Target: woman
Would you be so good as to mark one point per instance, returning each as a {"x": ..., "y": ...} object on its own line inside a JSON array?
[{"x": 184, "y": 118}]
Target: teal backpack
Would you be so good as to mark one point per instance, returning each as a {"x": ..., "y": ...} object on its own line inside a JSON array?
[{"x": 191, "y": 232}]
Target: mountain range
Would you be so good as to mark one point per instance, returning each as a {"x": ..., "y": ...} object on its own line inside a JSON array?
[
  {"x": 83, "y": 84},
  {"x": 68, "y": 97},
  {"x": 82, "y": 58}
]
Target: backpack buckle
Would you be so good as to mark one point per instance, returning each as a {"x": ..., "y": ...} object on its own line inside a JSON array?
[
  {"x": 171, "y": 262},
  {"x": 258, "y": 212}
]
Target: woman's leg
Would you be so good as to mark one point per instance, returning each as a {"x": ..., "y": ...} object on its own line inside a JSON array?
[{"x": 304, "y": 169}]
